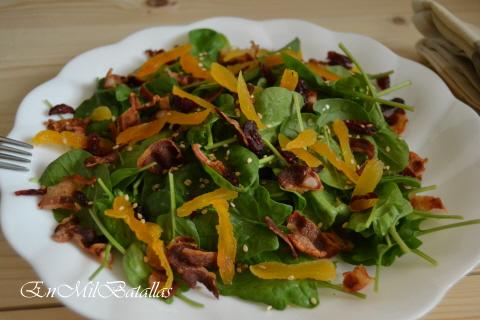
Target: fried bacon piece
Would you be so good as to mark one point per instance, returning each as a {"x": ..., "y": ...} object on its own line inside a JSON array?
[
  {"x": 61, "y": 109},
  {"x": 309, "y": 239},
  {"x": 356, "y": 280},
  {"x": 335, "y": 58},
  {"x": 94, "y": 161},
  {"x": 156, "y": 280},
  {"x": 152, "y": 53},
  {"x": 275, "y": 229},
  {"x": 165, "y": 153},
  {"x": 216, "y": 165},
  {"x": 416, "y": 166},
  {"x": 396, "y": 118},
  {"x": 163, "y": 102},
  {"x": 69, "y": 229},
  {"x": 73, "y": 125},
  {"x": 309, "y": 96},
  {"x": 362, "y": 146},
  {"x": 98, "y": 146},
  {"x": 182, "y": 79},
  {"x": 191, "y": 263},
  {"x": 299, "y": 178},
  {"x": 427, "y": 203},
  {"x": 62, "y": 195},
  {"x": 363, "y": 202},
  {"x": 234, "y": 123},
  {"x": 360, "y": 127},
  {"x": 113, "y": 80},
  {"x": 31, "y": 192}
]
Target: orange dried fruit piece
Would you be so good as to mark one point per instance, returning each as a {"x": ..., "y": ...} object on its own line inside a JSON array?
[
  {"x": 227, "y": 244},
  {"x": 289, "y": 79},
  {"x": 302, "y": 154},
  {"x": 147, "y": 232},
  {"x": 201, "y": 102},
  {"x": 243, "y": 66},
  {"x": 324, "y": 150},
  {"x": 66, "y": 138},
  {"x": 322, "y": 270},
  {"x": 205, "y": 200},
  {"x": 246, "y": 105},
  {"x": 323, "y": 72},
  {"x": 370, "y": 177},
  {"x": 223, "y": 77},
  {"x": 306, "y": 138},
  {"x": 153, "y": 64},
  {"x": 190, "y": 64},
  {"x": 101, "y": 113},
  {"x": 341, "y": 131},
  {"x": 358, "y": 205}
]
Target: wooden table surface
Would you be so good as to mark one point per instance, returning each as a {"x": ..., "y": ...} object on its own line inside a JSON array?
[{"x": 38, "y": 37}]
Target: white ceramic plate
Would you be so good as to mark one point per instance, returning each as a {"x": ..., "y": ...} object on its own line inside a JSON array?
[{"x": 443, "y": 129}]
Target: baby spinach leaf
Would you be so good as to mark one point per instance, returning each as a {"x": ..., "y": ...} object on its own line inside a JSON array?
[
  {"x": 134, "y": 266},
  {"x": 276, "y": 293},
  {"x": 304, "y": 72},
  {"x": 275, "y": 105},
  {"x": 337, "y": 108},
  {"x": 184, "y": 227},
  {"x": 402, "y": 180},
  {"x": 340, "y": 71},
  {"x": 206, "y": 228},
  {"x": 293, "y": 45},
  {"x": 122, "y": 174},
  {"x": 162, "y": 84},
  {"x": 240, "y": 160},
  {"x": 122, "y": 92},
  {"x": 226, "y": 103},
  {"x": 392, "y": 150},
  {"x": 103, "y": 97},
  {"x": 207, "y": 42},
  {"x": 291, "y": 128},
  {"x": 323, "y": 207},
  {"x": 67, "y": 164}
]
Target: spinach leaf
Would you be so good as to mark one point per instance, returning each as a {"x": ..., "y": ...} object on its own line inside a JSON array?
[
  {"x": 291, "y": 128},
  {"x": 240, "y": 160},
  {"x": 337, "y": 108},
  {"x": 276, "y": 293},
  {"x": 392, "y": 150},
  {"x": 323, "y": 207},
  {"x": 134, "y": 266},
  {"x": 184, "y": 227},
  {"x": 275, "y": 104},
  {"x": 304, "y": 72},
  {"x": 103, "y": 97},
  {"x": 340, "y": 71},
  {"x": 226, "y": 103},
  {"x": 67, "y": 164},
  {"x": 162, "y": 84},
  {"x": 402, "y": 180},
  {"x": 206, "y": 228},
  {"x": 122, "y": 92},
  {"x": 207, "y": 42},
  {"x": 293, "y": 45},
  {"x": 408, "y": 230},
  {"x": 122, "y": 174}
]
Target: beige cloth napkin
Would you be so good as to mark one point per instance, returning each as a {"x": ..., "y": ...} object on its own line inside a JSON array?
[{"x": 451, "y": 47}]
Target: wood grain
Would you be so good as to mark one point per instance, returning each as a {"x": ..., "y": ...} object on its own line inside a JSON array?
[{"x": 38, "y": 37}]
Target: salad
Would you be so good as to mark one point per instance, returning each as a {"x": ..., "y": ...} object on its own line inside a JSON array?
[{"x": 250, "y": 171}]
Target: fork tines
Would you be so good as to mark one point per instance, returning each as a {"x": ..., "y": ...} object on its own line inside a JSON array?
[{"x": 8, "y": 153}]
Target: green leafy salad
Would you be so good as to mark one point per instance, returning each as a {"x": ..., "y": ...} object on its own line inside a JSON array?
[{"x": 252, "y": 172}]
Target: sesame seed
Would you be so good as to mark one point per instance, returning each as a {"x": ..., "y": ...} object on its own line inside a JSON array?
[
  {"x": 182, "y": 145},
  {"x": 291, "y": 277},
  {"x": 114, "y": 118},
  {"x": 387, "y": 167},
  {"x": 135, "y": 205},
  {"x": 127, "y": 198},
  {"x": 187, "y": 182},
  {"x": 245, "y": 248},
  {"x": 156, "y": 187},
  {"x": 65, "y": 141},
  {"x": 313, "y": 300},
  {"x": 225, "y": 145},
  {"x": 327, "y": 106},
  {"x": 129, "y": 148},
  {"x": 320, "y": 224},
  {"x": 204, "y": 211},
  {"x": 232, "y": 204},
  {"x": 261, "y": 266},
  {"x": 139, "y": 216},
  {"x": 358, "y": 136},
  {"x": 239, "y": 270},
  {"x": 143, "y": 221},
  {"x": 352, "y": 161},
  {"x": 169, "y": 113},
  {"x": 237, "y": 173},
  {"x": 260, "y": 115},
  {"x": 115, "y": 147},
  {"x": 90, "y": 203},
  {"x": 228, "y": 152},
  {"x": 249, "y": 160},
  {"x": 269, "y": 125},
  {"x": 344, "y": 225},
  {"x": 206, "y": 181},
  {"x": 121, "y": 208},
  {"x": 269, "y": 308},
  {"x": 387, "y": 149},
  {"x": 202, "y": 186}
]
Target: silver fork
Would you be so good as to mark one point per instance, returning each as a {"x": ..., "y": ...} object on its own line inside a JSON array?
[{"x": 10, "y": 154}]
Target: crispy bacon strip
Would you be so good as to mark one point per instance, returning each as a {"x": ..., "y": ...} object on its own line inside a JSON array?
[
  {"x": 356, "y": 280},
  {"x": 94, "y": 161},
  {"x": 31, "y": 192},
  {"x": 362, "y": 146},
  {"x": 396, "y": 118},
  {"x": 216, "y": 165},
  {"x": 191, "y": 263},
  {"x": 273, "y": 227},
  {"x": 70, "y": 230},
  {"x": 427, "y": 203},
  {"x": 62, "y": 195},
  {"x": 360, "y": 127},
  {"x": 73, "y": 125},
  {"x": 165, "y": 153},
  {"x": 416, "y": 166},
  {"x": 98, "y": 146},
  {"x": 113, "y": 80},
  {"x": 61, "y": 109},
  {"x": 299, "y": 178}
]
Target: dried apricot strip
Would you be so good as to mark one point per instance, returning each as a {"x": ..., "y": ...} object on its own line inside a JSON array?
[
  {"x": 190, "y": 64},
  {"x": 201, "y": 102},
  {"x": 205, "y": 200},
  {"x": 246, "y": 104},
  {"x": 370, "y": 177},
  {"x": 147, "y": 232},
  {"x": 223, "y": 77},
  {"x": 302, "y": 154},
  {"x": 243, "y": 66},
  {"x": 323, "y": 72},
  {"x": 306, "y": 138},
  {"x": 324, "y": 150},
  {"x": 323, "y": 270},
  {"x": 341, "y": 131},
  {"x": 153, "y": 64},
  {"x": 66, "y": 138},
  {"x": 358, "y": 205},
  {"x": 289, "y": 79},
  {"x": 227, "y": 244}
]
